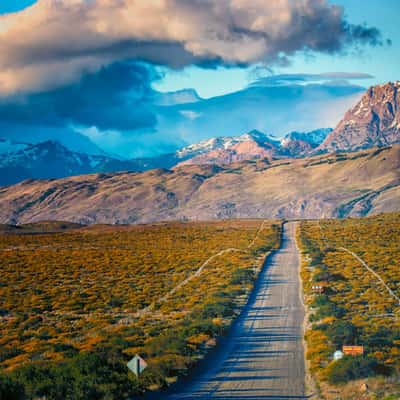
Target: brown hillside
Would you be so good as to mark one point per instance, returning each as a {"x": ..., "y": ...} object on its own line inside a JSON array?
[{"x": 351, "y": 184}]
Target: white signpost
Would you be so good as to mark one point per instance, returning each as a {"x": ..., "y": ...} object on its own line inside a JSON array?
[
  {"x": 338, "y": 355},
  {"x": 137, "y": 365}
]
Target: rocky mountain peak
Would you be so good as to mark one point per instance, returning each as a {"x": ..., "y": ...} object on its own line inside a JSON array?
[
  {"x": 229, "y": 149},
  {"x": 373, "y": 121},
  {"x": 315, "y": 137}
]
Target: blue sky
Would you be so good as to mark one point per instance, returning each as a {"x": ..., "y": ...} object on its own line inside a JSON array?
[{"x": 7, "y": 6}]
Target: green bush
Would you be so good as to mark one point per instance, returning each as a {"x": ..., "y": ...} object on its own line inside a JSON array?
[
  {"x": 222, "y": 308},
  {"x": 242, "y": 276},
  {"x": 172, "y": 342},
  {"x": 87, "y": 376},
  {"x": 9, "y": 352},
  {"x": 10, "y": 390},
  {"x": 382, "y": 336},
  {"x": 326, "y": 308},
  {"x": 341, "y": 333},
  {"x": 350, "y": 368},
  {"x": 173, "y": 365},
  {"x": 197, "y": 326}
]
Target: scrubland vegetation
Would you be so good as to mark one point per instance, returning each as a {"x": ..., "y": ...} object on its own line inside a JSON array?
[
  {"x": 76, "y": 306},
  {"x": 355, "y": 308}
]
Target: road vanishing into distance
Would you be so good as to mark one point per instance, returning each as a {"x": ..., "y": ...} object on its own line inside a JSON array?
[{"x": 262, "y": 358}]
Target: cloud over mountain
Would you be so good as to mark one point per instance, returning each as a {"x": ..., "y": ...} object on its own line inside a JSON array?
[
  {"x": 54, "y": 42},
  {"x": 118, "y": 97},
  {"x": 288, "y": 79}
]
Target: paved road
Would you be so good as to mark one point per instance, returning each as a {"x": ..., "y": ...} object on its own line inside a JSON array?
[{"x": 263, "y": 356}]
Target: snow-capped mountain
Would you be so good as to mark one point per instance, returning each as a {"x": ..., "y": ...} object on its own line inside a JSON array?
[
  {"x": 300, "y": 144},
  {"x": 315, "y": 137},
  {"x": 224, "y": 142},
  {"x": 252, "y": 145},
  {"x": 226, "y": 150},
  {"x": 51, "y": 159}
]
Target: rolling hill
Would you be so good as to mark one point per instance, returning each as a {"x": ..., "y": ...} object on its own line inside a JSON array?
[{"x": 336, "y": 185}]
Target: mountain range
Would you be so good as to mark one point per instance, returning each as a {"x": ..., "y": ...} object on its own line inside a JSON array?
[
  {"x": 373, "y": 121},
  {"x": 253, "y": 145},
  {"x": 266, "y": 107},
  {"x": 177, "y": 119},
  {"x": 303, "y": 174},
  {"x": 51, "y": 159}
]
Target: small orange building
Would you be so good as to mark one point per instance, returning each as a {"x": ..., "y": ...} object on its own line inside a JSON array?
[{"x": 353, "y": 350}]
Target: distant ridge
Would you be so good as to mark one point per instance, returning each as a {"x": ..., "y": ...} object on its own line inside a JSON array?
[
  {"x": 252, "y": 146},
  {"x": 50, "y": 159}
]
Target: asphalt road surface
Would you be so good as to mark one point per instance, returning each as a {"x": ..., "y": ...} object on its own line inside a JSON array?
[{"x": 262, "y": 358}]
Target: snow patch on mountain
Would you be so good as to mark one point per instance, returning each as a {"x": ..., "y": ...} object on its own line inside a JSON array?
[
  {"x": 315, "y": 137},
  {"x": 8, "y": 146},
  {"x": 225, "y": 143}
]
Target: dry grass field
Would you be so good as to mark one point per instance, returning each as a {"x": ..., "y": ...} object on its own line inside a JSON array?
[
  {"x": 75, "y": 306},
  {"x": 355, "y": 308}
]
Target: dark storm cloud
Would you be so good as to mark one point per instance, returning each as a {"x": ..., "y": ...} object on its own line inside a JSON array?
[{"x": 117, "y": 97}]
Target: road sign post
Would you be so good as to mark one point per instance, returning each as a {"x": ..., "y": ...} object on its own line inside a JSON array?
[{"x": 137, "y": 365}]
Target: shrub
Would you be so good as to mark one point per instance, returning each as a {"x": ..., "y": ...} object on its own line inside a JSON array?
[
  {"x": 9, "y": 352},
  {"x": 222, "y": 308},
  {"x": 382, "y": 336},
  {"x": 171, "y": 342},
  {"x": 326, "y": 308},
  {"x": 243, "y": 276},
  {"x": 350, "y": 368},
  {"x": 85, "y": 377},
  {"x": 10, "y": 390},
  {"x": 342, "y": 333}
]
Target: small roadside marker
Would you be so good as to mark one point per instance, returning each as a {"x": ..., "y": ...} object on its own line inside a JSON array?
[{"x": 137, "y": 365}]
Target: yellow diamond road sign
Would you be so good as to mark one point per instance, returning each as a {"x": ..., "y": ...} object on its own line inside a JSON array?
[{"x": 137, "y": 365}]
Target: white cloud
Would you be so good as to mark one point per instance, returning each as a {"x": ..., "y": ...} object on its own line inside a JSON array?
[
  {"x": 192, "y": 115},
  {"x": 55, "y": 41}
]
